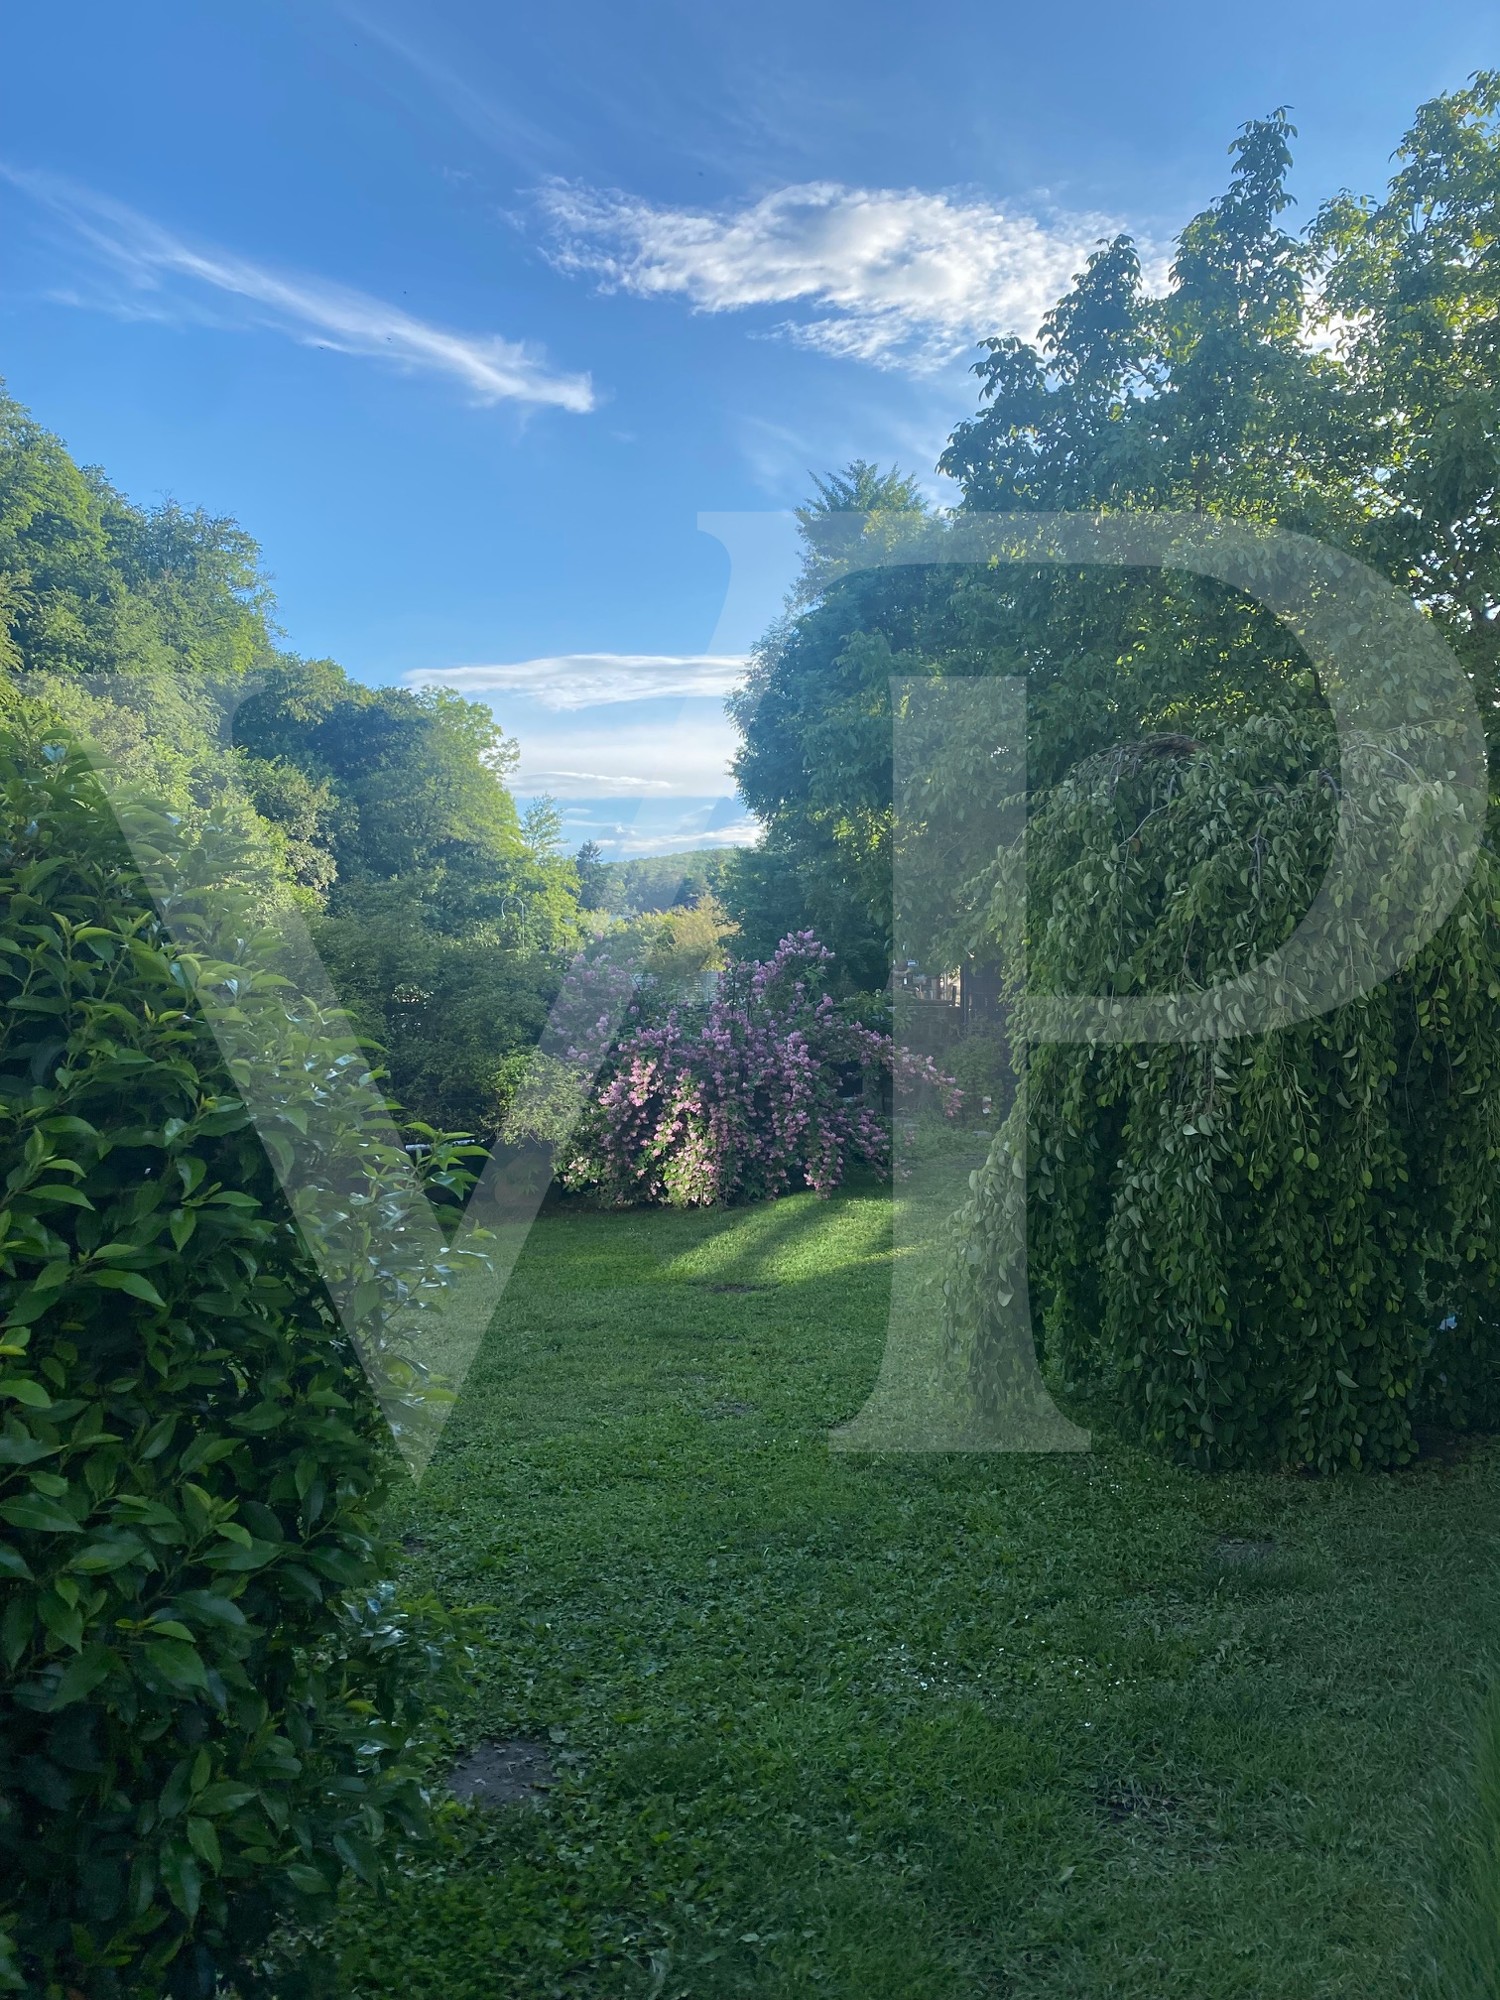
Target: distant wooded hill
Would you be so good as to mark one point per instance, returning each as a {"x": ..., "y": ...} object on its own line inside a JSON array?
[{"x": 660, "y": 881}]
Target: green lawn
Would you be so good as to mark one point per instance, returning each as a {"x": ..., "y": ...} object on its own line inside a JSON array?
[{"x": 908, "y": 1728}]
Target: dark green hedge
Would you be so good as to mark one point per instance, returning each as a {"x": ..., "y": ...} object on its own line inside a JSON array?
[{"x": 213, "y": 1698}]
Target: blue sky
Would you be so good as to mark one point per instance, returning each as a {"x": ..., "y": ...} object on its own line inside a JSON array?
[{"x": 469, "y": 312}]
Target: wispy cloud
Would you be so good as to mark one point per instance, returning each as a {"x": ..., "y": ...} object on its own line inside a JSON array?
[
  {"x": 634, "y": 840},
  {"x": 154, "y": 263},
  {"x": 592, "y": 781},
  {"x": 604, "y": 757},
  {"x": 897, "y": 278},
  {"x": 657, "y": 826},
  {"x": 486, "y": 114},
  {"x": 587, "y": 680}
]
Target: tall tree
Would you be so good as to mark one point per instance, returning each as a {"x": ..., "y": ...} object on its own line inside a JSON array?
[{"x": 1261, "y": 1247}]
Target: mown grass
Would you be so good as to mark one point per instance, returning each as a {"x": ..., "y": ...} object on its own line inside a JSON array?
[{"x": 910, "y": 1727}]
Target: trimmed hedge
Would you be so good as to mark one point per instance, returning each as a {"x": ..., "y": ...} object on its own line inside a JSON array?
[{"x": 214, "y": 1702}]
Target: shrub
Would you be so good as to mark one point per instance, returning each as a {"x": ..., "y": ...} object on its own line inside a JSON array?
[
  {"x": 765, "y": 1090},
  {"x": 214, "y": 1697}
]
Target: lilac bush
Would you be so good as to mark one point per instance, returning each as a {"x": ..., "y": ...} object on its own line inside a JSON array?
[{"x": 767, "y": 1089}]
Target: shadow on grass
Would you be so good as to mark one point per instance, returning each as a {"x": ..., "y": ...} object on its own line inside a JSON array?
[{"x": 772, "y": 1243}]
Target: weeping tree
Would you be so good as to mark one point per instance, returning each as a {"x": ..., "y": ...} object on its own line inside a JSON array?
[{"x": 1278, "y": 1246}]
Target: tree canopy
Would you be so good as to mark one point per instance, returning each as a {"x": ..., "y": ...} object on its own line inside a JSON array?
[
  {"x": 1341, "y": 383},
  {"x": 444, "y": 916}
]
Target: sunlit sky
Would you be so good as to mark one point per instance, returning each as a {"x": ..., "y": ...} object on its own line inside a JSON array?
[{"x": 469, "y": 313}]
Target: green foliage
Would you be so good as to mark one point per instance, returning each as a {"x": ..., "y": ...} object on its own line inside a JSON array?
[
  {"x": 215, "y": 1698},
  {"x": 1209, "y": 399},
  {"x": 447, "y": 921},
  {"x": 789, "y": 883},
  {"x": 682, "y": 947},
  {"x": 89, "y": 584},
  {"x": 980, "y": 1064},
  {"x": 593, "y": 876},
  {"x": 416, "y": 776},
  {"x": 445, "y": 1011},
  {"x": 1411, "y": 286},
  {"x": 815, "y": 755}
]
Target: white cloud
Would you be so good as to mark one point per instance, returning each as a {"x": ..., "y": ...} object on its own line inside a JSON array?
[
  {"x": 313, "y": 310},
  {"x": 744, "y": 833},
  {"x": 656, "y": 828},
  {"x": 603, "y": 758},
  {"x": 1326, "y": 332},
  {"x": 586, "y": 680},
  {"x": 592, "y": 780},
  {"x": 898, "y": 278}
]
